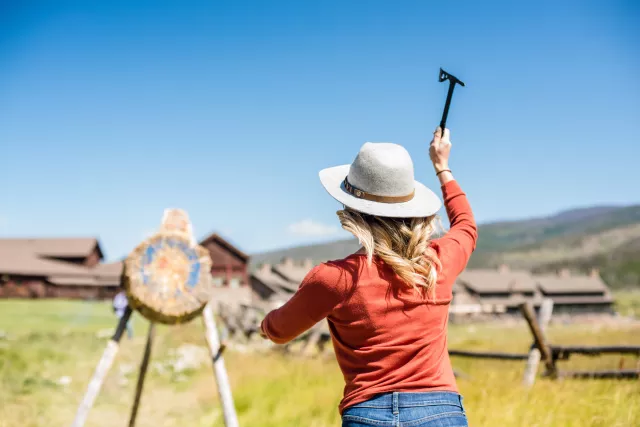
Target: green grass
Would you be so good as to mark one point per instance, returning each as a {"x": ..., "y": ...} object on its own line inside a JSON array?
[
  {"x": 628, "y": 302},
  {"x": 46, "y": 340}
]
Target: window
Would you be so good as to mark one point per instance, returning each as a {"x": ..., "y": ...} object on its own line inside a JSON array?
[
  {"x": 234, "y": 282},
  {"x": 217, "y": 281}
]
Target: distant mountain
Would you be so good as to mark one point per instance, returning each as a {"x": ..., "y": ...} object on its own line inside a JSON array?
[
  {"x": 318, "y": 253},
  {"x": 607, "y": 238},
  {"x": 603, "y": 237}
]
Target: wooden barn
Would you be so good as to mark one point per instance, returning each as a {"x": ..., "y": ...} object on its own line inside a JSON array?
[
  {"x": 230, "y": 271},
  {"x": 56, "y": 268},
  {"x": 502, "y": 291},
  {"x": 72, "y": 268}
]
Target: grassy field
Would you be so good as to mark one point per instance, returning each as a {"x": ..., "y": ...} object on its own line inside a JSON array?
[
  {"x": 628, "y": 302},
  {"x": 46, "y": 341}
]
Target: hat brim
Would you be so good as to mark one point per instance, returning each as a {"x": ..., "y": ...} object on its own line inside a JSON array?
[{"x": 424, "y": 203}]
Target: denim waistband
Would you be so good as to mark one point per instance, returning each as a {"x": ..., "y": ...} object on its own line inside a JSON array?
[{"x": 407, "y": 400}]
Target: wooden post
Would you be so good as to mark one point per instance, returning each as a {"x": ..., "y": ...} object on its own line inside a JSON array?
[
  {"x": 141, "y": 376},
  {"x": 539, "y": 339},
  {"x": 222, "y": 380},
  {"x": 544, "y": 316},
  {"x": 101, "y": 371}
]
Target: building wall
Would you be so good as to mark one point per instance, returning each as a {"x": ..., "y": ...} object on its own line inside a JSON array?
[
  {"x": 605, "y": 308},
  {"x": 30, "y": 287},
  {"x": 22, "y": 287},
  {"x": 227, "y": 269},
  {"x": 82, "y": 292}
]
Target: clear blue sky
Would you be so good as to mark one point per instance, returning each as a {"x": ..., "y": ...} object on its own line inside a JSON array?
[{"x": 111, "y": 111}]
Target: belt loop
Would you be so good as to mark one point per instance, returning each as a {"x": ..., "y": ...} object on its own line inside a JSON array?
[{"x": 395, "y": 403}]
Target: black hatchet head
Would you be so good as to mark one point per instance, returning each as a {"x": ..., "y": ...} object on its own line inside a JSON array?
[{"x": 446, "y": 76}]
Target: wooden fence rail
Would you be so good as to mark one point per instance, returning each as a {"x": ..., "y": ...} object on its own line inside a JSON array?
[
  {"x": 244, "y": 323},
  {"x": 489, "y": 355},
  {"x": 550, "y": 354},
  {"x": 563, "y": 352},
  {"x": 558, "y": 352},
  {"x": 620, "y": 375}
]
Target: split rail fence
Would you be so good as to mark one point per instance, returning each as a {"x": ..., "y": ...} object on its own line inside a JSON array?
[
  {"x": 542, "y": 350},
  {"x": 243, "y": 324}
]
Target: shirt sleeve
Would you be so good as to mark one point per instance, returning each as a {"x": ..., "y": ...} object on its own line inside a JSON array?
[
  {"x": 460, "y": 241},
  {"x": 314, "y": 300}
]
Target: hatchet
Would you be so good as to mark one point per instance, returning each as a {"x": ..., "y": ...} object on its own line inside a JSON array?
[{"x": 452, "y": 83}]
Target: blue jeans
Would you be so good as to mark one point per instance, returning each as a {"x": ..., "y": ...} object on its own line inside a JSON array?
[{"x": 432, "y": 409}]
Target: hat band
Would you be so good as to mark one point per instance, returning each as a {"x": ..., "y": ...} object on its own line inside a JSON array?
[{"x": 361, "y": 194}]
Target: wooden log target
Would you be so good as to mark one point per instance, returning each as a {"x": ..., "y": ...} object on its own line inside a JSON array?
[{"x": 167, "y": 277}]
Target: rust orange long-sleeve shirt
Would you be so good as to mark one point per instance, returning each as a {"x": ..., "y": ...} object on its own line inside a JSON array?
[{"x": 386, "y": 337}]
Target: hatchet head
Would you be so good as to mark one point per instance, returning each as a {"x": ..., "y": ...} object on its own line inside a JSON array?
[{"x": 446, "y": 76}]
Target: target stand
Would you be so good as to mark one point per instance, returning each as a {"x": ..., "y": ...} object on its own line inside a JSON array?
[{"x": 167, "y": 279}]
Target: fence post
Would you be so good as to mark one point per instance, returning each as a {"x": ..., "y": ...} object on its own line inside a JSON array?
[
  {"x": 544, "y": 316},
  {"x": 539, "y": 339}
]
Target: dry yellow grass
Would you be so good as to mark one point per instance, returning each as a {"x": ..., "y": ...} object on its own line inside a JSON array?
[{"x": 47, "y": 340}]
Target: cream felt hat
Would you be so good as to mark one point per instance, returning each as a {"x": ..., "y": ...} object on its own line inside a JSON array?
[{"x": 380, "y": 181}]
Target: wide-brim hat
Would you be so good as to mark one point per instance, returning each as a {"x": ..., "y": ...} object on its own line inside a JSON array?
[{"x": 381, "y": 182}]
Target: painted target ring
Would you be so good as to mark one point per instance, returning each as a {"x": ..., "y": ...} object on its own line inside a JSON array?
[{"x": 168, "y": 279}]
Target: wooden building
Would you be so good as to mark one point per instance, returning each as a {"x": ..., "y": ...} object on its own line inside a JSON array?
[
  {"x": 477, "y": 291},
  {"x": 503, "y": 290},
  {"x": 56, "y": 268},
  {"x": 230, "y": 271},
  {"x": 575, "y": 294},
  {"x": 72, "y": 268}
]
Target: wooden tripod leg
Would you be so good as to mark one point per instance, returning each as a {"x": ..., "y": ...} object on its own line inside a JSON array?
[
  {"x": 101, "y": 371},
  {"x": 222, "y": 380},
  {"x": 141, "y": 376}
]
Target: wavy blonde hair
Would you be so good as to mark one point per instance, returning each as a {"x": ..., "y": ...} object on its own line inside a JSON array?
[{"x": 402, "y": 243}]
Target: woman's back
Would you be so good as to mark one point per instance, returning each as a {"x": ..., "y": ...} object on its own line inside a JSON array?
[
  {"x": 388, "y": 339},
  {"x": 387, "y": 336}
]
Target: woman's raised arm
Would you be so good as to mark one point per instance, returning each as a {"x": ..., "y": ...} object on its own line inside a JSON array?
[{"x": 461, "y": 239}]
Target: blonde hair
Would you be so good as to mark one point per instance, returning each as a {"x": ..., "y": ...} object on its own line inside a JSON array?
[{"x": 402, "y": 243}]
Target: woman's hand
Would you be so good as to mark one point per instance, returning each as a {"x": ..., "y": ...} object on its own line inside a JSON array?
[
  {"x": 439, "y": 150},
  {"x": 439, "y": 153}
]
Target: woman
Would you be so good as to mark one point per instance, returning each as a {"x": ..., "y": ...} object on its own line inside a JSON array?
[{"x": 387, "y": 304}]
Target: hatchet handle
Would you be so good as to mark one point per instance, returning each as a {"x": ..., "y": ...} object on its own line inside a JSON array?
[{"x": 445, "y": 113}]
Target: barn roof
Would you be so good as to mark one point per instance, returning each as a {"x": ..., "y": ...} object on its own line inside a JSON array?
[
  {"x": 567, "y": 284},
  {"x": 55, "y": 247},
  {"x": 27, "y": 263},
  {"x": 223, "y": 242},
  {"x": 108, "y": 274},
  {"x": 497, "y": 281},
  {"x": 40, "y": 258}
]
